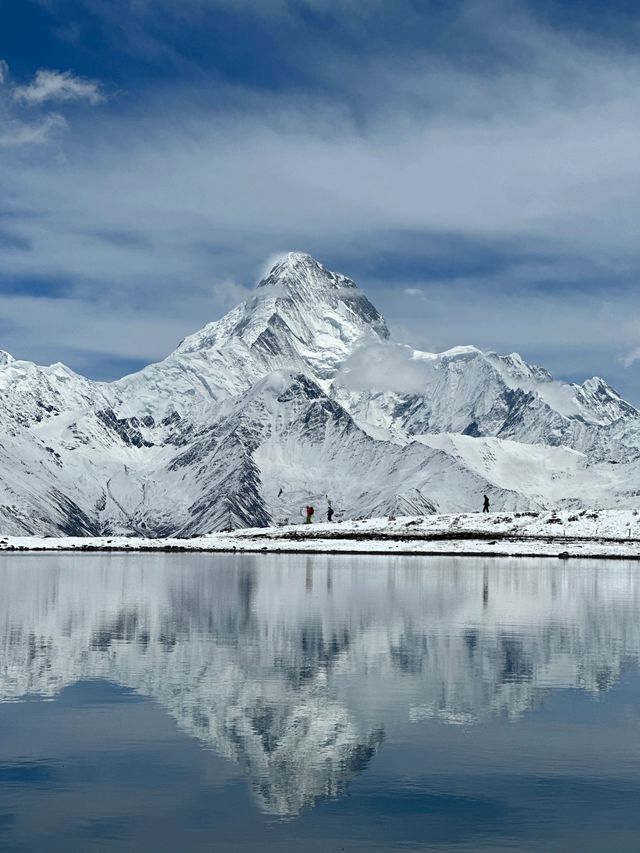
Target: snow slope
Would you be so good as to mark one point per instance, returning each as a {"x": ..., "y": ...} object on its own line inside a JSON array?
[{"x": 299, "y": 395}]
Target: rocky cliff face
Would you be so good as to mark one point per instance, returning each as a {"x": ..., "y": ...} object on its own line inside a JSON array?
[{"x": 299, "y": 395}]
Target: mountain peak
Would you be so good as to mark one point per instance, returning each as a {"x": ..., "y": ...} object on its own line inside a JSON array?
[
  {"x": 300, "y": 271},
  {"x": 302, "y": 316},
  {"x": 323, "y": 309},
  {"x": 296, "y": 260}
]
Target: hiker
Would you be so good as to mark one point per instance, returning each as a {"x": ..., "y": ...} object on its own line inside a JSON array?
[
  {"x": 309, "y": 511},
  {"x": 330, "y": 513},
  {"x": 485, "y": 505}
]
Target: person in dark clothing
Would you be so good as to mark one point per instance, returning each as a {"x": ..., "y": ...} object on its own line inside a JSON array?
[
  {"x": 485, "y": 505},
  {"x": 309, "y": 512},
  {"x": 330, "y": 513}
]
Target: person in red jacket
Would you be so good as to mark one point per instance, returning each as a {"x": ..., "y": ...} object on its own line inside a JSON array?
[{"x": 309, "y": 514}]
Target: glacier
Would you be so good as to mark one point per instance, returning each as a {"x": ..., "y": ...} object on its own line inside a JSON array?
[{"x": 300, "y": 395}]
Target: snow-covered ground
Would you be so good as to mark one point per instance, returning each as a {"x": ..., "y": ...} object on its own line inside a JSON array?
[{"x": 589, "y": 533}]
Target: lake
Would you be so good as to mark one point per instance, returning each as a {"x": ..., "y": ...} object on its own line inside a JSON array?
[{"x": 194, "y": 702}]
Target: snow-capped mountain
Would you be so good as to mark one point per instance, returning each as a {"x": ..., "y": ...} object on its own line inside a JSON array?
[{"x": 300, "y": 396}]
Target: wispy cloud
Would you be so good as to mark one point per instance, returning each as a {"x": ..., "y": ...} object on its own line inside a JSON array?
[
  {"x": 35, "y": 125},
  {"x": 631, "y": 357},
  {"x": 14, "y": 132},
  {"x": 58, "y": 86}
]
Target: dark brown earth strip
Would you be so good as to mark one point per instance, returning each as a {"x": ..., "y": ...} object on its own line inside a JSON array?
[
  {"x": 263, "y": 549},
  {"x": 453, "y": 536}
]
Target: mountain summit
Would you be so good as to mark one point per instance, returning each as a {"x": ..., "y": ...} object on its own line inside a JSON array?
[
  {"x": 302, "y": 273},
  {"x": 257, "y": 414},
  {"x": 300, "y": 315}
]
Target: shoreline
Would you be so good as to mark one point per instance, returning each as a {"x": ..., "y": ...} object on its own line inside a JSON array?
[{"x": 594, "y": 534}]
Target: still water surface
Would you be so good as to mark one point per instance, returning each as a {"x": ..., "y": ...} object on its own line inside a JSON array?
[{"x": 286, "y": 703}]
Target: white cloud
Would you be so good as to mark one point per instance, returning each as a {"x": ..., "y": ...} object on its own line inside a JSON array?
[
  {"x": 19, "y": 127},
  {"x": 228, "y": 294},
  {"x": 14, "y": 133},
  {"x": 384, "y": 367},
  {"x": 58, "y": 86}
]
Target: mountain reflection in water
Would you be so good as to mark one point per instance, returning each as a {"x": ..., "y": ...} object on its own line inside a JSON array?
[{"x": 290, "y": 665}]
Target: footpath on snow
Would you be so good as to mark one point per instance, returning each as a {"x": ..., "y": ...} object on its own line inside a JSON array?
[{"x": 611, "y": 534}]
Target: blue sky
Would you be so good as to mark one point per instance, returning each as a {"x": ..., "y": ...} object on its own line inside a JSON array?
[{"x": 473, "y": 165}]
